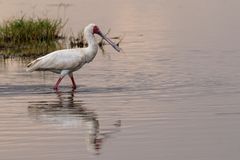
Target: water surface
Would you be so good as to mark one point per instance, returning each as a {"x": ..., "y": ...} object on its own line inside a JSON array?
[{"x": 172, "y": 94}]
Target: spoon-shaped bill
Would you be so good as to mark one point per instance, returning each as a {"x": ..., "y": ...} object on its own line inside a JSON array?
[{"x": 110, "y": 42}]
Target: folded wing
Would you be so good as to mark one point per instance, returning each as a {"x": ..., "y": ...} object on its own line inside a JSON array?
[{"x": 67, "y": 59}]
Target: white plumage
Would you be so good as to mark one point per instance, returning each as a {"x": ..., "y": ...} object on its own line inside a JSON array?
[{"x": 66, "y": 61}]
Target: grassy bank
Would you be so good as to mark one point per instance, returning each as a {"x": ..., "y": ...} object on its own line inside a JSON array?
[{"x": 26, "y": 37}]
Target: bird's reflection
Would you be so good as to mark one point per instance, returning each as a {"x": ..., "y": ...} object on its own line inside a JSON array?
[{"x": 68, "y": 112}]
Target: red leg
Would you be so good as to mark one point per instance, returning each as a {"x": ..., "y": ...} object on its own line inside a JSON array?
[
  {"x": 73, "y": 82},
  {"x": 57, "y": 84}
]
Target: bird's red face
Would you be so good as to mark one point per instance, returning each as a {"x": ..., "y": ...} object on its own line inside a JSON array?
[{"x": 96, "y": 30}]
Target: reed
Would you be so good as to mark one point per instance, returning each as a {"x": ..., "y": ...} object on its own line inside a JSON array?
[{"x": 27, "y": 36}]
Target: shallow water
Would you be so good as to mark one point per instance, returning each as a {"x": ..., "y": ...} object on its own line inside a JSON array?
[{"x": 173, "y": 93}]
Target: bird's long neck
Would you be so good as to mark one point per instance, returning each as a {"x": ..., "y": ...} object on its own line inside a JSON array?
[{"x": 92, "y": 48}]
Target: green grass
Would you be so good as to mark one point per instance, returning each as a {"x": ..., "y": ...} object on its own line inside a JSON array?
[{"x": 29, "y": 36}]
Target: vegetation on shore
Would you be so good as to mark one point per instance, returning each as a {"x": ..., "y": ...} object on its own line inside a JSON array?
[
  {"x": 29, "y": 37},
  {"x": 26, "y": 37}
]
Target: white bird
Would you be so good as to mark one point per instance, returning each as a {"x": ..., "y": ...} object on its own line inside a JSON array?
[{"x": 66, "y": 61}]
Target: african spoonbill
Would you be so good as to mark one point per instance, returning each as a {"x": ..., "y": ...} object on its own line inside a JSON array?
[{"x": 67, "y": 61}]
